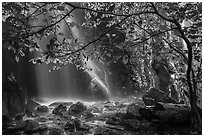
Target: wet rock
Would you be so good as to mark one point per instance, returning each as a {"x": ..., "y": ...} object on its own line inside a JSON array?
[
  {"x": 42, "y": 109},
  {"x": 41, "y": 119},
  {"x": 55, "y": 131},
  {"x": 59, "y": 110},
  {"x": 31, "y": 125},
  {"x": 106, "y": 131},
  {"x": 63, "y": 103},
  {"x": 106, "y": 102},
  {"x": 72, "y": 125},
  {"x": 132, "y": 109},
  {"x": 31, "y": 105},
  {"x": 94, "y": 110},
  {"x": 114, "y": 121},
  {"x": 87, "y": 114},
  {"x": 66, "y": 115},
  {"x": 77, "y": 108}
]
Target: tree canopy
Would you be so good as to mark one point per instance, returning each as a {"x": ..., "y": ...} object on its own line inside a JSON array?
[{"x": 136, "y": 34}]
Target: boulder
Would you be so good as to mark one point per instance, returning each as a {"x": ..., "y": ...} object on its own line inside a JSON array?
[
  {"x": 55, "y": 104},
  {"x": 132, "y": 109},
  {"x": 19, "y": 117},
  {"x": 6, "y": 122},
  {"x": 162, "y": 73},
  {"x": 16, "y": 102},
  {"x": 94, "y": 109},
  {"x": 147, "y": 113},
  {"x": 55, "y": 131},
  {"x": 77, "y": 108},
  {"x": 41, "y": 119},
  {"x": 42, "y": 109},
  {"x": 31, "y": 125},
  {"x": 6, "y": 119},
  {"x": 153, "y": 96},
  {"x": 87, "y": 114},
  {"x": 72, "y": 125},
  {"x": 59, "y": 110},
  {"x": 31, "y": 105},
  {"x": 159, "y": 107}
]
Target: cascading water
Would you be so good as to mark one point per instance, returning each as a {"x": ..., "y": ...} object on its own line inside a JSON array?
[
  {"x": 97, "y": 85},
  {"x": 70, "y": 83}
]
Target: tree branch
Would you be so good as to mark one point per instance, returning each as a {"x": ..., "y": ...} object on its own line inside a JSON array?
[
  {"x": 177, "y": 50},
  {"x": 104, "y": 12},
  {"x": 160, "y": 15},
  {"x": 43, "y": 29},
  {"x": 88, "y": 44},
  {"x": 36, "y": 10},
  {"x": 153, "y": 36}
]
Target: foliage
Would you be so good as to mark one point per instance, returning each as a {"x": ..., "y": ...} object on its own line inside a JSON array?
[{"x": 140, "y": 33}]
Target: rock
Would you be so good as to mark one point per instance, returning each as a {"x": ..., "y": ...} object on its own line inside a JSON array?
[
  {"x": 7, "y": 122},
  {"x": 77, "y": 108},
  {"x": 87, "y": 114},
  {"x": 20, "y": 124},
  {"x": 42, "y": 109},
  {"x": 106, "y": 102},
  {"x": 153, "y": 96},
  {"x": 31, "y": 125},
  {"x": 14, "y": 98},
  {"x": 55, "y": 131},
  {"x": 131, "y": 123},
  {"x": 183, "y": 117},
  {"x": 162, "y": 73},
  {"x": 6, "y": 119},
  {"x": 169, "y": 100},
  {"x": 19, "y": 117},
  {"x": 63, "y": 103},
  {"x": 41, "y": 119},
  {"x": 31, "y": 106},
  {"x": 132, "y": 109},
  {"x": 59, "y": 110},
  {"x": 113, "y": 121},
  {"x": 159, "y": 107},
  {"x": 72, "y": 125},
  {"x": 175, "y": 117},
  {"x": 147, "y": 113},
  {"x": 94, "y": 109}
]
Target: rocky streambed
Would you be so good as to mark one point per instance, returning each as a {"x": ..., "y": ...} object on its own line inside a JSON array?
[{"x": 118, "y": 117}]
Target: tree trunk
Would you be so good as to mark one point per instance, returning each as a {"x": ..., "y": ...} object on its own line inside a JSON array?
[{"x": 195, "y": 116}]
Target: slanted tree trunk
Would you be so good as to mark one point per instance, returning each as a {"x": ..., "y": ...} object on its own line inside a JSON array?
[{"x": 195, "y": 116}]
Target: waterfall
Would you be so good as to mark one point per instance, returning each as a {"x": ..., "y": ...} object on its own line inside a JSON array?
[{"x": 68, "y": 82}]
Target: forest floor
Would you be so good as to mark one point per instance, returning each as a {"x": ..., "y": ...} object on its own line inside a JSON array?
[{"x": 118, "y": 117}]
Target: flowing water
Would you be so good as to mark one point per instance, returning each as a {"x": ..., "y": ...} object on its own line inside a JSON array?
[{"x": 67, "y": 82}]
